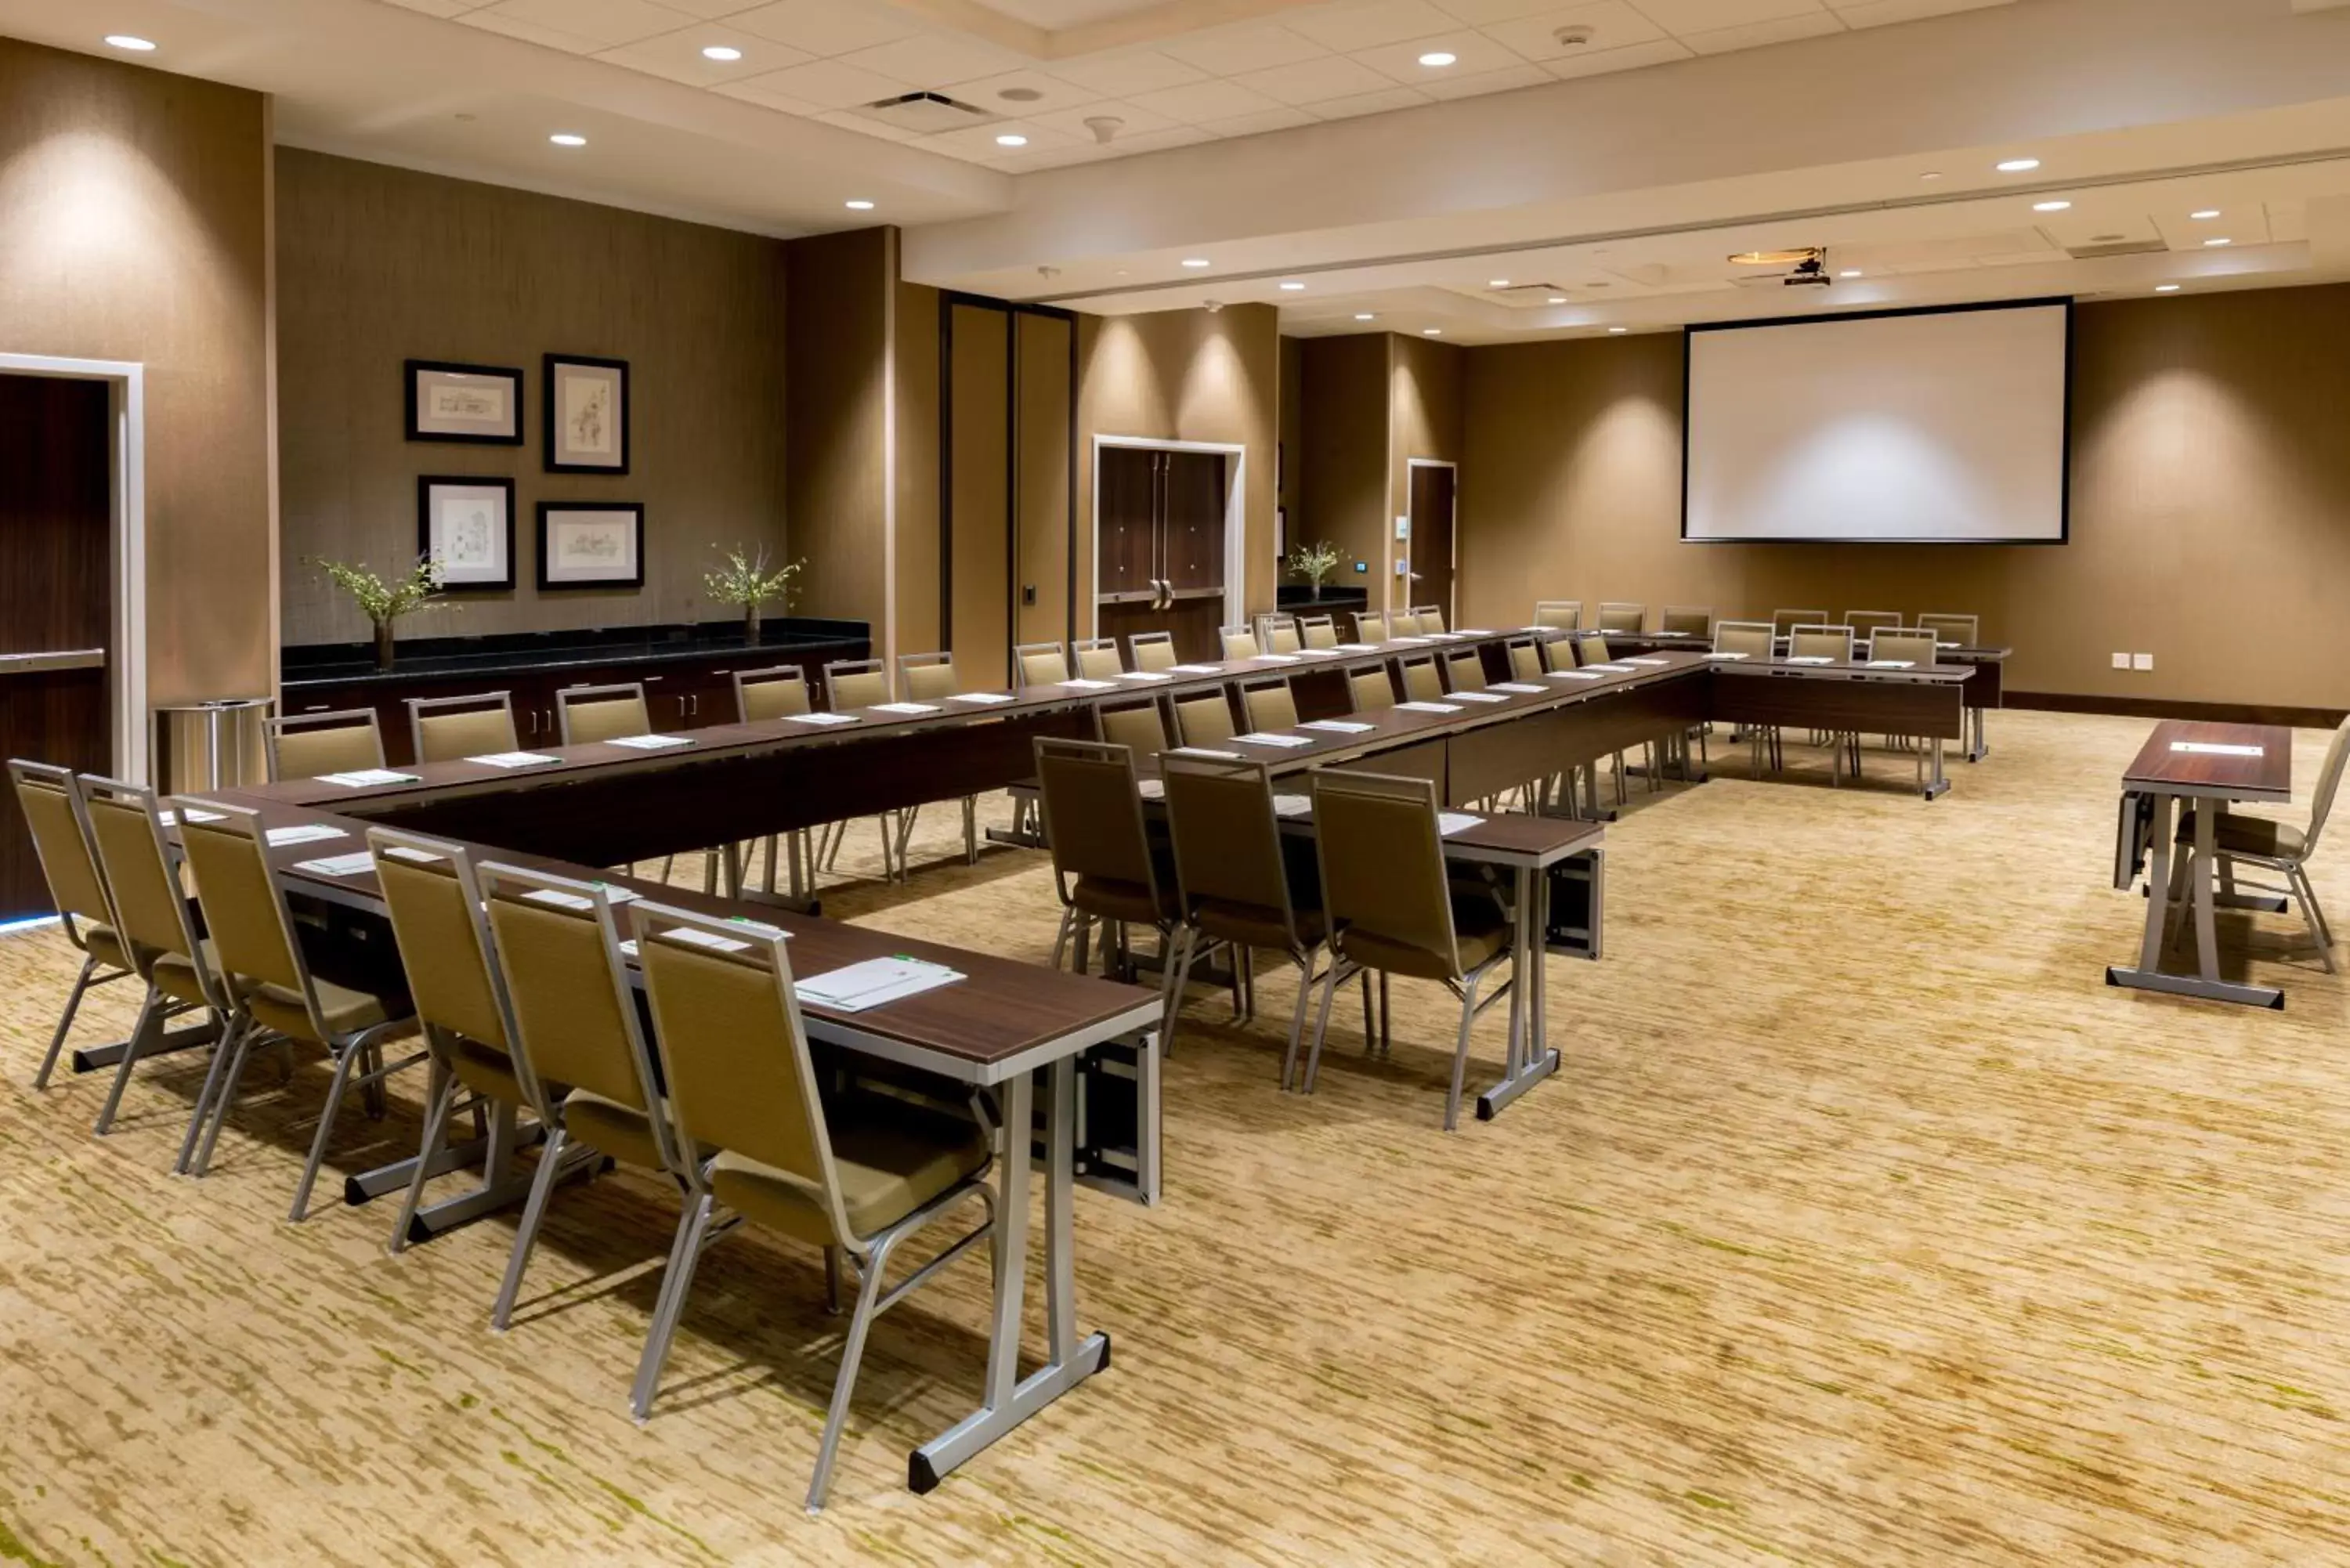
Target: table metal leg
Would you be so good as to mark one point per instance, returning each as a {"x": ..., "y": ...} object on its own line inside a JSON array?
[
  {"x": 1938, "y": 783},
  {"x": 1531, "y": 1059},
  {"x": 2150, "y": 974}
]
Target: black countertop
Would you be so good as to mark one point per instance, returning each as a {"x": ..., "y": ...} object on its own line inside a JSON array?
[{"x": 319, "y": 665}]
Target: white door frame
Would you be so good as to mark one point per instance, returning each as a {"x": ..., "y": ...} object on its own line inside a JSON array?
[
  {"x": 1235, "y": 522},
  {"x": 1452, "y": 566},
  {"x": 127, "y": 660}
]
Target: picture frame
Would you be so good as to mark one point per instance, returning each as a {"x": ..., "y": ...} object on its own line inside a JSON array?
[
  {"x": 591, "y": 545},
  {"x": 585, "y": 413},
  {"x": 467, "y": 521},
  {"x": 473, "y": 405}
]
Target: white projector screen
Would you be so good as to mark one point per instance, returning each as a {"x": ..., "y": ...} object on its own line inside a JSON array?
[{"x": 1936, "y": 427}]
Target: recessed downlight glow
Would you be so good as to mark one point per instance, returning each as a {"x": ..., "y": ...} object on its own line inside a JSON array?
[
  {"x": 723, "y": 53},
  {"x": 2052, "y": 206},
  {"x": 1012, "y": 139},
  {"x": 1436, "y": 58},
  {"x": 1432, "y": 332},
  {"x": 1555, "y": 299},
  {"x": 1617, "y": 331},
  {"x": 858, "y": 204},
  {"x": 2205, "y": 216},
  {"x": 2019, "y": 165},
  {"x": 1293, "y": 287},
  {"x": 2222, "y": 240},
  {"x": 1196, "y": 261},
  {"x": 1364, "y": 316},
  {"x": 136, "y": 45},
  {"x": 1849, "y": 272},
  {"x": 1497, "y": 282},
  {"x": 567, "y": 138},
  {"x": 2166, "y": 288}
]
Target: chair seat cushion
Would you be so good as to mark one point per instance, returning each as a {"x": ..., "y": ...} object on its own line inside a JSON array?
[
  {"x": 176, "y": 978},
  {"x": 2239, "y": 832},
  {"x": 624, "y": 1132},
  {"x": 486, "y": 1070},
  {"x": 1480, "y": 930},
  {"x": 892, "y": 1158},
  {"x": 1255, "y": 924},
  {"x": 346, "y": 1012},
  {"x": 102, "y": 944},
  {"x": 1116, "y": 900}
]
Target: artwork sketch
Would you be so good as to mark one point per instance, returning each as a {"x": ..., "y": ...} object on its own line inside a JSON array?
[
  {"x": 590, "y": 545},
  {"x": 480, "y": 404},
  {"x": 468, "y": 533},
  {"x": 587, "y": 415},
  {"x": 466, "y": 525},
  {"x": 467, "y": 402}
]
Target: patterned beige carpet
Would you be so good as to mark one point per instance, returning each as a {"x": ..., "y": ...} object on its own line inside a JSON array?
[{"x": 1865, "y": 1226}]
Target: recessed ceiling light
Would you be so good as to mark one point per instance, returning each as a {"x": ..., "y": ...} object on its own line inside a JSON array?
[
  {"x": 1617, "y": 331},
  {"x": 2052, "y": 206},
  {"x": 1497, "y": 282},
  {"x": 1012, "y": 139},
  {"x": 1931, "y": 175},
  {"x": 858, "y": 204},
  {"x": 2206, "y": 215},
  {"x": 2018, "y": 165},
  {"x": 1432, "y": 332},
  {"x": 1293, "y": 287},
  {"x": 1555, "y": 299},
  {"x": 1438, "y": 57},
  {"x": 137, "y": 46},
  {"x": 567, "y": 138},
  {"x": 1195, "y": 261},
  {"x": 1849, "y": 272},
  {"x": 2222, "y": 240},
  {"x": 722, "y": 52},
  {"x": 2166, "y": 288},
  {"x": 1364, "y": 316}
]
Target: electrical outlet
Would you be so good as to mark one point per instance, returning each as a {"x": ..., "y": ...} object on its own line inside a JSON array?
[
  {"x": 2141, "y": 661},
  {"x": 1403, "y": 567},
  {"x": 2121, "y": 661}
]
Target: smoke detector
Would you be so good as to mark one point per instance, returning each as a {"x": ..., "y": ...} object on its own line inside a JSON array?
[
  {"x": 1104, "y": 127},
  {"x": 1212, "y": 306},
  {"x": 1574, "y": 35}
]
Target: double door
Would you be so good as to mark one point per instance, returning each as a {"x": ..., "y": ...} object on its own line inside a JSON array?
[{"x": 1160, "y": 546}]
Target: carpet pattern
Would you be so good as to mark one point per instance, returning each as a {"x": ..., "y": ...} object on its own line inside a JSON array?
[{"x": 1864, "y": 1226}]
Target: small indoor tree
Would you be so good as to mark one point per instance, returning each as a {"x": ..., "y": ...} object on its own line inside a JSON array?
[
  {"x": 746, "y": 580},
  {"x": 384, "y": 603},
  {"x": 1315, "y": 562}
]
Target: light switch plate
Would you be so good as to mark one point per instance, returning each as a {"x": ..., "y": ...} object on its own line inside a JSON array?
[
  {"x": 2141, "y": 661},
  {"x": 1403, "y": 528},
  {"x": 2121, "y": 661},
  {"x": 1403, "y": 567}
]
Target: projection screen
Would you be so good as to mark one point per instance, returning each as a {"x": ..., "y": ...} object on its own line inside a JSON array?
[{"x": 1936, "y": 427}]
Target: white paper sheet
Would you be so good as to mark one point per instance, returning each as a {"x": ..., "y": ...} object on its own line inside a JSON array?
[
  {"x": 1145, "y": 675},
  {"x": 365, "y": 778},
  {"x": 1152, "y": 789},
  {"x": 356, "y": 863},
  {"x": 1193, "y": 670},
  {"x": 1727, "y": 658},
  {"x": 905, "y": 707},
  {"x": 821, "y": 721},
  {"x": 984, "y": 699},
  {"x": 1809, "y": 658},
  {"x": 1263, "y": 740},
  {"x": 1086, "y": 684},
  {"x": 2215, "y": 749},
  {"x": 1428, "y": 707},
  {"x": 1206, "y": 751},
  {"x": 1338, "y": 726},
  {"x": 874, "y": 983},
  {"x": 1359, "y": 648},
  {"x": 513, "y": 759},
  {"x": 1478, "y": 697},
  {"x": 1893, "y": 664},
  {"x": 1477, "y": 631},
  {"x": 1516, "y": 688},
  {"x": 409, "y": 853},
  {"x": 649, "y": 743},
  {"x": 308, "y": 833},
  {"x": 1293, "y": 806},
  {"x": 1277, "y": 658},
  {"x": 1648, "y": 662},
  {"x": 1591, "y": 674},
  {"x": 1611, "y": 668},
  {"x": 1449, "y": 823},
  {"x": 192, "y": 813}
]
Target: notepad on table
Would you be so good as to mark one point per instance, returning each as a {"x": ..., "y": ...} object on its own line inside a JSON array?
[
  {"x": 1359, "y": 648},
  {"x": 1415, "y": 641},
  {"x": 874, "y": 983},
  {"x": 1193, "y": 670},
  {"x": 1478, "y": 697},
  {"x": 1648, "y": 662},
  {"x": 1206, "y": 751},
  {"x": 357, "y": 863},
  {"x": 1476, "y": 631},
  {"x": 983, "y": 698},
  {"x": 820, "y": 719},
  {"x": 1893, "y": 664},
  {"x": 1338, "y": 726},
  {"x": 1428, "y": 707},
  {"x": 513, "y": 759},
  {"x": 1516, "y": 688},
  {"x": 1277, "y": 658},
  {"x": 1809, "y": 658},
  {"x": 1144, "y": 675},
  {"x": 1085, "y": 683},
  {"x": 1152, "y": 789},
  {"x": 1575, "y": 674},
  {"x": 1315, "y": 653},
  {"x": 1611, "y": 668},
  {"x": 650, "y": 742},
  {"x": 308, "y": 833},
  {"x": 2217, "y": 749},
  {"x": 905, "y": 707},
  {"x": 408, "y": 852},
  {"x": 363, "y": 778},
  {"x": 1726, "y": 657},
  {"x": 189, "y": 814},
  {"x": 1293, "y": 806},
  {"x": 1449, "y": 823},
  {"x": 555, "y": 898},
  {"x": 1260, "y": 740}
]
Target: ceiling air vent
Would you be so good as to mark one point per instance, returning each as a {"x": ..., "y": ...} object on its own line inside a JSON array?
[
  {"x": 926, "y": 113},
  {"x": 2097, "y": 248}
]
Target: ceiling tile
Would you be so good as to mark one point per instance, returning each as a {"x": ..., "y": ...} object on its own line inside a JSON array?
[
  {"x": 1311, "y": 81},
  {"x": 1173, "y": 136},
  {"x": 1613, "y": 25},
  {"x": 1367, "y": 24},
  {"x": 1204, "y": 101},
  {"x": 1755, "y": 35},
  {"x": 1123, "y": 76},
  {"x": 1631, "y": 57},
  {"x": 1682, "y": 17},
  {"x": 437, "y": 7},
  {"x": 1472, "y": 53},
  {"x": 1280, "y": 117},
  {"x": 766, "y": 97},
  {"x": 1229, "y": 51},
  {"x": 1138, "y": 121},
  {"x": 858, "y": 122},
  {"x": 1028, "y": 160},
  {"x": 1484, "y": 12},
  {"x": 1052, "y": 93},
  {"x": 711, "y": 10},
  {"x": 933, "y": 59},
  {"x": 979, "y": 141},
  {"x": 531, "y": 32},
  {"x": 678, "y": 56},
  {"x": 1509, "y": 79},
  {"x": 822, "y": 26},
  {"x": 828, "y": 84},
  {"x": 1880, "y": 13},
  {"x": 1368, "y": 103},
  {"x": 606, "y": 22}
]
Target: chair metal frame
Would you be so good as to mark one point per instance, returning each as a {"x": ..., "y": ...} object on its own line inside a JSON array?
[
  {"x": 28, "y": 775},
  {"x": 307, "y": 724},
  {"x": 1022, "y": 652},
  {"x": 1619, "y": 609},
  {"x": 1571, "y": 609},
  {"x": 572, "y": 696},
  {"x": 423, "y": 707},
  {"x": 1136, "y": 641}
]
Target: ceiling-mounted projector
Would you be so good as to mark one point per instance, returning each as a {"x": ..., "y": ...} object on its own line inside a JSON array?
[{"x": 1807, "y": 265}]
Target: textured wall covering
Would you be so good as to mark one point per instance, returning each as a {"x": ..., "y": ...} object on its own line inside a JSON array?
[
  {"x": 134, "y": 226},
  {"x": 377, "y": 266}
]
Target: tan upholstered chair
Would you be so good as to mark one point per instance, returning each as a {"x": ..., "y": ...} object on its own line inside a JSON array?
[
  {"x": 1392, "y": 907},
  {"x": 1371, "y": 625},
  {"x": 587, "y": 714},
  {"x": 1204, "y": 718},
  {"x": 855, "y": 683},
  {"x": 1102, "y": 861},
  {"x": 1833, "y": 643},
  {"x": 1097, "y": 659},
  {"x": 1559, "y": 614},
  {"x": 1153, "y": 650},
  {"x": 1686, "y": 620},
  {"x": 927, "y": 677},
  {"x": 1430, "y": 617},
  {"x": 1591, "y": 650},
  {"x": 1278, "y": 634},
  {"x": 1420, "y": 681},
  {"x": 855, "y": 1176},
  {"x": 1526, "y": 660},
  {"x": 1404, "y": 623},
  {"x": 864, "y": 683},
  {"x": 1269, "y": 704},
  {"x": 253, "y": 941},
  {"x": 442, "y": 729},
  {"x": 1756, "y": 643},
  {"x": 1915, "y": 647},
  {"x": 764, "y": 695},
  {"x": 1040, "y": 664},
  {"x": 1784, "y": 621},
  {"x": 1621, "y": 616},
  {"x": 1239, "y": 642},
  {"x": 1140, "y": 727},
  {"x": 1465, "y": 670},
  {"x": 1865, "y": 623},
  {"x": 309, "y": 744},
  {"x": 1316, "y": 631},
  {"x": 2245, "y": 838},
  {"x": 1966, "y": 631},
  {"x": 1371, "y": 689},
  {"x": 51, "y": 801}
]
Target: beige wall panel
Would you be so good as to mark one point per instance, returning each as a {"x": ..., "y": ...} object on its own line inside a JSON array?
[
  {"x": 1345, "y": 440},
  {"x": 980, "y": 549},
  {"x": 837, "y": 386},
  {"x": 1289, "y": 493},
  {"x": 1045, "y": 345},
  {"x": 917, "y": 585},
  {"x": 1424, "y": 414},
  {"x": 133, "y": 227}
]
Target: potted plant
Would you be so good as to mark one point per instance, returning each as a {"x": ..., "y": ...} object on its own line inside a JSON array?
[
  {"x": 384, "y": 603},
  {"x": 1315, "y": 562},
  {"x": 746, "y": 580}
]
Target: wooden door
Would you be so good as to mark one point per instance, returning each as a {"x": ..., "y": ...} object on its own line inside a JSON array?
[
  {"x": 1431, "y": 539},
  {"x": 1125, "y": 542},
  {"x": 56, "y": 599}
]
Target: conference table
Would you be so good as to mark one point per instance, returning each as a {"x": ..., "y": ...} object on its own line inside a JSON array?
[{"x": 2207, "y": 764}]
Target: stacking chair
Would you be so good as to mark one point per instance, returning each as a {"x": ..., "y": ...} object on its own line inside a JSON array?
[
  {"x": 927, "y": 677},
  {"x": 1559, "y": 614},
  {"x": 253, "y": 942},
  {"x": 1237, "y": 882},
  {"x": 1269, "y": 704},
  {"x": 1591, "y": 651},
  {"x": 1140, "y": 727},
  {"x": 861, "y": 683},
  {"x": 309, "y": 744},
  {"x": 1204, "y": 718},
  {"x": 1153, "y": 650},
  {"x": 442, "y": 729},
  {"x": 1040, "y": 664},
  {"x": 1239, "y": 642},
  {"x": 1865, "y": 622},
  {"x": 1430, "y": 617},
  {"x": 54, "y": 810},
  {"x": 1784, "y": 621},
  {"x": 574, "y": 1022},
  {"x": 1756, "y": 639},
  {"x": 1420, "y": 681},
  {"x": 1097, "y": 659},
  {"x": 1594, "y": 650},
  {"x": 1963, "y": 630},
  {"x": 1371, "y": 625},
  {"x": 1278, "y": 634},
  {"x": 1833, "y": 642},
  {"x": 1404, "y": 623},
  {"x": 585, "y": 713},
  {"x": 777, "y": 693},
  {"x": 1617, "y": 616},
  {"x": 1371, "y": 689},
  {"x": 1103, "y": 864},
  {"x": 855, "y": 1177},
  {"x": 1915, "y": 646},
  {"x": 1526, "y": 659},
  {"x": 1316, "y": 631},
  {"x": 1391, "y": 907},
  {"x": 1465, "y": 670},
  {"x": 2243, "y": 838},
  {"x": 1687, "y": 620}
]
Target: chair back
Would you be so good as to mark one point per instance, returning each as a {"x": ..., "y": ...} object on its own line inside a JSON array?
[
  {"x": 777, "y": 694},
  {"x": 1152, "y": 650},
  {"x": 1371, "y": 689},
  {"x": 1205, "y": 720},
  {"x": 1227, "y": 838},
  {"x": 1784, "y": 621},
  {"x": 735, "y": 1049},
  {"x": 1420, "y": 681},
  {"x": 1916, "y": 645},
  {"x": 1559, "y": 614},
  {"x": 434, "y": 895},
  {"x": 1966, "y": 631},
  {"x": 1865, "y": 623},
  {"x": 1465, "y": 670},
  {"x": 1751, "y": 638},
  {"x": 585, "y": 713},
  {"x": 1093, "y": 815},
  {"x": 1430, "y": 617},
  {"x": 445, "y": 728},
  {"x": 1820, "y": 643},
  {"x": 927, "y": 677},
  {"x": 1526, "y": 660},
  {"x": 855, "y": 683},
  {"x": 1370, "y": 626},
  {"x": 1097, "y": 659},
  {"x": 309, "y": 744},
  {"x": 246, "y": 916},
  {"x": 1316, "y": 631},
  {"x": 1140, "y": 727},
  {"x": 1040, "y": 664},
  {"x": 1239, "y": 642},
  {"x": 1620, "y": 616},
  {"x": 151, "y": 913},
  {"x": 1404, "y": 623},
  {"x": 1686, "y": 620},
  {"x": 58, "y": 821},
  {"x": 1591, "y": 651},
  {"x": 2329, "y": 777},
  {"x": 575, "y": 1017},
  {"x": 1383, "y": 875},
  {"x": 1269, "y": 705}
]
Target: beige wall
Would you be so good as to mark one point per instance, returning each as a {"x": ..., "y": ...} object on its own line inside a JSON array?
[
  {"x": 377, "y": 266},
  {"x": 916, "y": 583},
  {"x": 1184, "y": 375},
  {"x": 1424, "y": 419},
  {"x": 1343, "y": 454},
  {"x": 834, "y": 427},
  {"x": 2210, "y": 505},
  {"x": 133, "y": 227}
]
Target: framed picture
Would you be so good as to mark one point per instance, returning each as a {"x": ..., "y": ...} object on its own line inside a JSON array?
[
  {"x": 476, "y": 403},
  {"x": 467, "y": 521},
  {"x": 591, "y": 545},
  {"x": 587, "y": 415}
]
